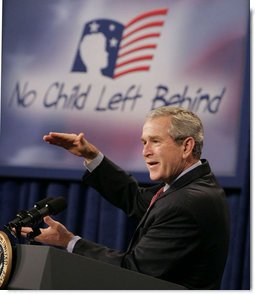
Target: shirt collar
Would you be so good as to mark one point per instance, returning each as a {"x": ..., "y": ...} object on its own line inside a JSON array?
[{"x": 198, "y": 163}]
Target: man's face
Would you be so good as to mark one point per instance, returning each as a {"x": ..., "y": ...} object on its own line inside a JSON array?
[{"x": 163, "y": 157}]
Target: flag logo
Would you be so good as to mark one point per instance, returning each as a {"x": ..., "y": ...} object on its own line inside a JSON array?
[{"x": 112, "y": 49}]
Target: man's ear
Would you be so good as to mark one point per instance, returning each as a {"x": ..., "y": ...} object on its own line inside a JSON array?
[{"x": 188, "y": 146}]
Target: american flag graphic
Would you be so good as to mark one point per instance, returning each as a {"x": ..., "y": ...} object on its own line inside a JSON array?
[{"x": 130, "y": 48}]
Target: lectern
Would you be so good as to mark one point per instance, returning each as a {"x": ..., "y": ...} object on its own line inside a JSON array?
[{"x": 47, "y": 268}]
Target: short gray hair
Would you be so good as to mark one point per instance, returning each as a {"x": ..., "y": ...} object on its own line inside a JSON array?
[{"x": 184, "y": 124}]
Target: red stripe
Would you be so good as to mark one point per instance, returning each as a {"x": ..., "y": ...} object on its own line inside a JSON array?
[
  {"x": 147, "y": 14},
  {"x": 152, "y": 35},
  {"x": 148, "y": 25},
  {"x": 149, "y": 46},
  {"x": 137, "y": 69},
  {"x": 145, "y": 57}
]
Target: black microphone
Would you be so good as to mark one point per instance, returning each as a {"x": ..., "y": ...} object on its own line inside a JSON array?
[
  {"x": 24, "y": 213},
  {"x": 19, "y": 216},
  {"x": 40, "y": 204},
  {"x": 35, "y": 216}
]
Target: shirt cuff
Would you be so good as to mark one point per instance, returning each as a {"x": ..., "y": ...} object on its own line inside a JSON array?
[
  {"x": 94, "y": 163},
  {"x": 72, "y": 243}
]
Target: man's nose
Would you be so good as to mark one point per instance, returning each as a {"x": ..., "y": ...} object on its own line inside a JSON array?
[{"x": 147, "y": 150}]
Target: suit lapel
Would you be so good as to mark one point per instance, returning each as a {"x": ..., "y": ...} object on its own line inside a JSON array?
[
  {"x": 143, "y": 220},
  {"x": 179, "y": 183}
]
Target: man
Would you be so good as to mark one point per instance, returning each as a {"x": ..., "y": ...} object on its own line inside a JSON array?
[{"x": 183, "y": 234}]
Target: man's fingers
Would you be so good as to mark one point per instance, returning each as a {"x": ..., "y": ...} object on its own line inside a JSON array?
[
  {"x": 58, "y": 135},
  {"x": 25, "y": 231},
  {"x": 49, "y": 221}
]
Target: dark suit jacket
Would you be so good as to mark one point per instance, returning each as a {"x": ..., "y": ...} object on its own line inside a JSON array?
[{"x": 183, "y": 238}]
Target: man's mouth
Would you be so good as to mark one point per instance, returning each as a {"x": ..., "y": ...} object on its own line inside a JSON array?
[{"x": 152, "y": 164}]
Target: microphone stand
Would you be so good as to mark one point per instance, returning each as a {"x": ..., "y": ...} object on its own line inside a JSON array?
[
  {"x": 34, "y": 233},
  {"x": 15, "y": 233}
]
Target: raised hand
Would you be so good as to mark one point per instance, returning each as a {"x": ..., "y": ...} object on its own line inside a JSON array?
[{"x": 75, "y": 144}]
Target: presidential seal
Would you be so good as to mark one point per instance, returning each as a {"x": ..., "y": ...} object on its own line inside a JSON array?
[{"x": 5, "y": 259}]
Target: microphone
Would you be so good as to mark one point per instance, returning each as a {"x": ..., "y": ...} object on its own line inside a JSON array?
[
  {"x": 40, "y": 204},
  {"x": 22, "y": 214},
  {"x": 19, "y": 216},
  {"x": 45, "y": 207}
]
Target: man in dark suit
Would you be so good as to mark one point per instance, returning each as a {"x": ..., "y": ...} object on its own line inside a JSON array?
[{"x": 183, "y": 232}]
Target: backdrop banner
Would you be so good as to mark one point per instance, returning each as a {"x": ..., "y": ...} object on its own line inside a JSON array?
[{"x": 98, "y": 67}]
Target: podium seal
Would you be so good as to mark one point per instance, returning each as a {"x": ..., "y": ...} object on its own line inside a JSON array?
[{"x": 5, "y": 259}]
